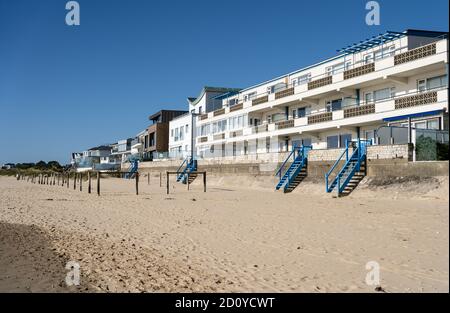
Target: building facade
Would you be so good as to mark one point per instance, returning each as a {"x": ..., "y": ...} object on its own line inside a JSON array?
[
  {"x": 156, "y": 136},
  {"x": 397, "y": 78}
]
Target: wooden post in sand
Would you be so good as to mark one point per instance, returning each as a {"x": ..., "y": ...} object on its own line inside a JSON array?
[
  {"x": 81, "y": 181},
  {"x": 137, "y": 183},
  {"x": 46, "y": 180},
  {"x": 187, "y": 183},
  {"x": 54, "y": 179},
  {"x": 148, "y": 178},
  {"x": 160, "y": 179},
  {"x": 204, "y": 181},
  {"x": 167, "y": 181},
  {"x": 58, "y": 180},
  {"x": 98, "y": 183},
  {"x": 75, "y": 181},
  {"x": 89, "y": 182},
  {"x": 68, "y": 179}
]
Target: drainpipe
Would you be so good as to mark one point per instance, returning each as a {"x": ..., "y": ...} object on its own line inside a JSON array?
[{"x": 409, "y": 131}]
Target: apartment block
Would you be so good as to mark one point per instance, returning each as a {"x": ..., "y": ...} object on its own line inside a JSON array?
[{"x": 396, "y": 78}]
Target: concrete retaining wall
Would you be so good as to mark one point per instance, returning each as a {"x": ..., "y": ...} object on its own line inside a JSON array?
[{"x": 388, "y": 160}]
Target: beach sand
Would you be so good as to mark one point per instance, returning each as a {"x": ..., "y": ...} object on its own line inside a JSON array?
[{"x": 239, "y": 236}]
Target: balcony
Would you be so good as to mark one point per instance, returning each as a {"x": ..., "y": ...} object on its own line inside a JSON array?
[
  {"x": 320, "y": 82},
  {"x": 203, "y": 139},
  {"x": 236, "y": 107},
  {"x": 260, "y": 100},
  {"x": 359, "y": 71},
  {"x": 219, "y": 112},
  {"x": 320, "y": 118},
  {"x": 260, "y": 129},
  {"x": 284, "y": 93},
  {"x": 415, "y": 54},
  {"x": 284, "y": 124},
  {"x": 359, "y": 110},
  {"x": 415, "y": 100},
  {"x": 219, "y": 136}
]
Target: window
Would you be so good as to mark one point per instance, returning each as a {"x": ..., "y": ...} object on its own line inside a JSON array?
[
  {"x": 171, "y": 133},
  {"x": 176, "y": 134},
  {"x": 200, "y": 110},
  {"x": 294, "y": 113},
  {"x": 382, "y": 94},
  {"x": 250, "y": 96},
  {"x": 368, "y": 97},
  {"x": 301, "y": 112},
  {"x": 338, "y": 68},
  {"x": 332, "y": 142},
  {"x": 187, "y": 129},
  {"x": 421, "y": 85},
  {"x": 384, "y": 53},
  {"x": 181, "y": 133},
  {"x": 436, "y": 82},
  {"x": 334, "y": 105},
  {"x": 301, "y": 80},
  {"x": 343, "y": 138}
]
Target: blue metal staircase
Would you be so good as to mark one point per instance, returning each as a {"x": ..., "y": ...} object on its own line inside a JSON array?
[
  {"x": 352, "y": 171},
  {"x": 133, "y": 167},
  {"x": 296, "y": 171},
  {"x": 190, "y": 165}
]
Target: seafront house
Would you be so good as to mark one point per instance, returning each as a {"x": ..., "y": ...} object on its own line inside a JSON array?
[
  {"x": 183, "y": 127},
  {"x": 91, "y": 159},
  {"x": 156, "y": 136},
  {"x": 385, "y": 89}
]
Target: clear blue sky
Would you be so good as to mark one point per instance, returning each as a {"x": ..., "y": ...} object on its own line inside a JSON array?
[{"x": 64, "y": 89}]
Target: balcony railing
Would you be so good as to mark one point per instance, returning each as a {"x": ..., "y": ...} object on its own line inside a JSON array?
[
  {"x": 237, "y": 133},
  {"x": 359, "y": 71},
  {"x": 359, "y": 110},
  {"x": 219, "y": 136},
  {"x": 236, "y": 107},
  {"x": 219, "y": 112},
  {"x": 284, "y": 93},
  {"x": 260, "y": 129},
  {"x": 415, "y": 54},
  {"x": 203, "y": 117},
  {"x": 320, "y": 82},
  {"x": 415, "y": 100},
  {"x": 260, "y": 100},
  {"x": 321, "y": 117},
  {"x": 203, "y": 139},
  {"x": 284, "y": 124}
]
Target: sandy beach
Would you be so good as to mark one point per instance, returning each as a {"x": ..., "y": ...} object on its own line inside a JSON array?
[{"x": 239, "y": 236}]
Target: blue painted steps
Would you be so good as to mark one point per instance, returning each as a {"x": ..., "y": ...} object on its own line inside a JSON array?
[
  {"x": 296, "y": 172},
  {"x": 133, "y": 168},
  {"x": 186, "y": 174},
  {"x": 353, "y": 170}
]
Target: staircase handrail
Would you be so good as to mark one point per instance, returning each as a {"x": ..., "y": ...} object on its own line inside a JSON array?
[
  {"x": 345, "y": 152},
  {"x": 279, "y": 172},
  {"x": 304, "y": 159},
  {"x": 184, "y": 161}
]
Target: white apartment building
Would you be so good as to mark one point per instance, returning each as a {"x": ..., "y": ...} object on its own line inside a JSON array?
[
  {"x": 397, "y": 78},
  {"x": 182, "y": 129}
]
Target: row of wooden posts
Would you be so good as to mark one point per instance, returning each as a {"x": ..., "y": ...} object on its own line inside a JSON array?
[{"x": 63, "y": 179}]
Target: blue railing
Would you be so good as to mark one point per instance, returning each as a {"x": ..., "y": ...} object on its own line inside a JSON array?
[
  {"x": 299, "y": 155},
  {"x": 351, "y": 166},
  {"x": 191, "y": 166},
  {"x": 280, "y": 170}
]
